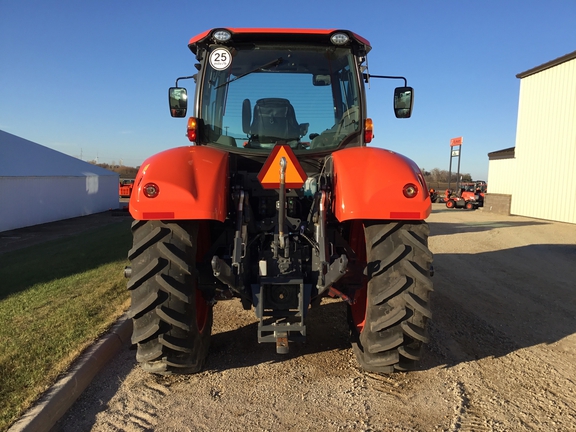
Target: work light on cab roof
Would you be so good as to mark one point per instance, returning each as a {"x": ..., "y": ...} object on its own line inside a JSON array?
[
  {"x": 339, "y": 38},
  {"x": 221, "y": 36}
]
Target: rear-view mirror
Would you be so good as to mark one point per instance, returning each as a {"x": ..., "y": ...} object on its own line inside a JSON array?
[
  {"x": 403, "y": 102},
  {"x": 178, "y": 99}
]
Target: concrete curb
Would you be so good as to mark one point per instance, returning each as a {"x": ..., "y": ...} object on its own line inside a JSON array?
[{"x": 56, "y": 401}]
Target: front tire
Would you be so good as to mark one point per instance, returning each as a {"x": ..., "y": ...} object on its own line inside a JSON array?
[
  {"x": 172, "y": 321},
  {"x": 390, "y": 314}
]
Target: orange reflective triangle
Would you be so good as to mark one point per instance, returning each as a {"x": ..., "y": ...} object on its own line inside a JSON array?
[{"x": 269, "y": 175}]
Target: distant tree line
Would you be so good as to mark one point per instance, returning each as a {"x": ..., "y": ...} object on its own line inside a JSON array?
[
  {"x": 437, "y": 175},
  {"x": 125, "y": 172}
]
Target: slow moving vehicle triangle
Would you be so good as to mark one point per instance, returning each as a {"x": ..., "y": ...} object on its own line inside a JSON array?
[{"x": 269, "y": 175}]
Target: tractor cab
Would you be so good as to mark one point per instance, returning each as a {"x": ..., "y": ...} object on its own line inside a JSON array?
[{"x": 259, "y": 88}]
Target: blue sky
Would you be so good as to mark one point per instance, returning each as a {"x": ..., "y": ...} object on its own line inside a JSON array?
[{"x": 90, "y": 78}]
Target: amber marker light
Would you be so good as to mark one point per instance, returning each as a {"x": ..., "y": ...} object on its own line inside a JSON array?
[
  {"x": 410, "y": 190},
  {"x": 368, "y": 130},
  {"x": 192, "y": 129},
  {"x": 151, "y": 190}
]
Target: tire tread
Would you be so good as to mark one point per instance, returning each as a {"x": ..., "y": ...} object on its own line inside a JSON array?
[{"x": 397, "y": 307}]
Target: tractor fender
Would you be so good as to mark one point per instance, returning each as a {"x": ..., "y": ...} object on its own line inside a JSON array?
[
  {"x": 192, "y": 183},
  {"x": 369, "y": 183}
]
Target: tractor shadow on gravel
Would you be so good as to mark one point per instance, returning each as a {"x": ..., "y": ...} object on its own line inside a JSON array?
[
  {"x": 491, "y": 304},
  {"x": 442, "y": 228},
  {"x": 327, "y": 330}
]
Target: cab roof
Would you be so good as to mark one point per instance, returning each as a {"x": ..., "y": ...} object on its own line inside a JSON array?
[{"x": 279, "y": 35}]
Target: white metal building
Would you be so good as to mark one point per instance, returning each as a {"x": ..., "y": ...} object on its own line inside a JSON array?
[
  {"x": 540, "y": 173},
  {"x": 39, "y": 185}
]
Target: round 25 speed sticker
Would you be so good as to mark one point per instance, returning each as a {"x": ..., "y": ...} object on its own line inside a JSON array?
[{"x": 220, "y": 59}]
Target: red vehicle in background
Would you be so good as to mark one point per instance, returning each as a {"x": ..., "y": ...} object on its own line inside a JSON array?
[
  {"x": 464, "y": 199},
  {"x": 469, "y": 195},
  {"x": 474, "y": 190},
  {"x": 125, "y": 188}
]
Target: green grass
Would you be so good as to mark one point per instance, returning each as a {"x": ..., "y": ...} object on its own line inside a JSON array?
[{"x": 56, "y": 298}]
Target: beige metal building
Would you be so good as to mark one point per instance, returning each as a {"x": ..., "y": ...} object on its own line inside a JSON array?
[{"x": 537, "y": 178}]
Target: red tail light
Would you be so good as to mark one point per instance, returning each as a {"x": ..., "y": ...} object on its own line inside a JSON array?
[
  {"x": 151, "y": 190},
  {"x": 192, "y": 131},
  {"x": 368, "y": 130},
  {"x": 410, "y": 190}
]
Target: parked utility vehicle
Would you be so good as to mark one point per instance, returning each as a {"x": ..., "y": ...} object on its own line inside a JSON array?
[
  {"x": 460, "y": 200},
  {"x": 125, "y": 187}
]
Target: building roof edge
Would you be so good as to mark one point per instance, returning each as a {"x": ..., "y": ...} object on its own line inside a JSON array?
[{"x": 547, "y": 65}]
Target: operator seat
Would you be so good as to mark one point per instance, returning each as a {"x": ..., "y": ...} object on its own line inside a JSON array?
[{"x": 274, "y": 119}]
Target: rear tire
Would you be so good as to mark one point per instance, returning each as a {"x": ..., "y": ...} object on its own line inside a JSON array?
[
  {"x": 171, "y": 319},
  {"x": 389, "y": 318}
]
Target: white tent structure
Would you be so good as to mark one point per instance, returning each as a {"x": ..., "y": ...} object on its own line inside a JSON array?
[{"x": 39, "y": 185}]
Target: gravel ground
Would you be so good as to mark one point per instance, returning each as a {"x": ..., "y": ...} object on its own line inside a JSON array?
[{"x": 502, "y": 355}]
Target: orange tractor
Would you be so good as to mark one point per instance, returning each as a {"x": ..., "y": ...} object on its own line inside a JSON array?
[
  {"x": 455, "y": 200},
  {"x": 474, "y": 191},
  {"x": 279, "y": 202}
]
